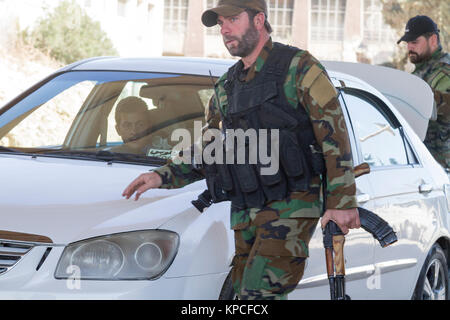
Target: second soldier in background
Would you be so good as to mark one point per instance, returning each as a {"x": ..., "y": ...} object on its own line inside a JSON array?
[{"x": 432, "y": 64}]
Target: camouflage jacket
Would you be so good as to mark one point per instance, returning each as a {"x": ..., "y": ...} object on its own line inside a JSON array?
[
  {"x": 436, "y": 72},
  {"x": 307, "y": 83}
]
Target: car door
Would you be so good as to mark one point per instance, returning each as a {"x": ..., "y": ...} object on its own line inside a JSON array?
[
  {"x": 358, "y": 249},
  {"x": 401, "y": 193}
]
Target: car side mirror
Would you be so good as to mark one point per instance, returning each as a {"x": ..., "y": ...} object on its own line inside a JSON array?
[{"x": 361, "y": 169}]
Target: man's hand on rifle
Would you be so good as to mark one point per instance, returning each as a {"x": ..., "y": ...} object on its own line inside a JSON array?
[
  {"x": 345, "y": 219},
  {"x": 141, "y": 184}
]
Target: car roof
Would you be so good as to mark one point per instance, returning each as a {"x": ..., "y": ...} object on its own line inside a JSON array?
[{"x": 197, "y": 66}]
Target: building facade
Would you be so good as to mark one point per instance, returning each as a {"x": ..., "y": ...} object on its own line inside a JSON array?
[
  {"x": 345, "y": 30},
  {"x": 134, "y": 26}
]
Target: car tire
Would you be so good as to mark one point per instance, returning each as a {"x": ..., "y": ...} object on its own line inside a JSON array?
[
  {"x": 227, "y": 292},
  {"x": 433, "y": 279}
]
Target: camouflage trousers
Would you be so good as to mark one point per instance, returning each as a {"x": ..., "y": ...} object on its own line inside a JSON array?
[{"x": 270, "y": 256}]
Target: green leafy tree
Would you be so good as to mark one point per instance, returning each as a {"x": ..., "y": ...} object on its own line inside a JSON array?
[
  {"x": 68, "y": 34},
  {"x": 397, "y": 13}
]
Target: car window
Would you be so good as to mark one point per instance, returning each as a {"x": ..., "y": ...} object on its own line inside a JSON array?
[
  {"x": 381, "y": 142},
  {"x": 47, "y": 125},
  {"x": 161, "y": 104},
  {"x": 115, "y": 112},
  {"x": 131, "y": 89}
]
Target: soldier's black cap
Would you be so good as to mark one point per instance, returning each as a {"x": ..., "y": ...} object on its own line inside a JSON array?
[{"x": 417, "y": 26}]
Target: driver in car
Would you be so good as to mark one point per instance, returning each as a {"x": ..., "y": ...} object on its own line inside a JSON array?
[{"x": 133, "y": 124}]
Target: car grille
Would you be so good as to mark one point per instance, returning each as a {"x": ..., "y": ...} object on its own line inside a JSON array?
[{"x": 10, "y": 254}]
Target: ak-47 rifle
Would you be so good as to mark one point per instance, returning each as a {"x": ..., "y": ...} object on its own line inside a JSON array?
[{"x": 333, "y": 242}]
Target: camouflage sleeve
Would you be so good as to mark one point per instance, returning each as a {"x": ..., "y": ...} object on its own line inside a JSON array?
[
  {"x": 441, "y": 89},
  {"x": 176, "y": 176},
  {"x": 320, "y": 99},
  {"x": 442, "y": 99},
  {"x": 179, "y": 175}
]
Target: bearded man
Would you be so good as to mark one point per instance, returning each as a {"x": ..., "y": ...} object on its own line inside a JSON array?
[
  {"x": 279, "y": 87},
  {"x": 433, "y": 66}
]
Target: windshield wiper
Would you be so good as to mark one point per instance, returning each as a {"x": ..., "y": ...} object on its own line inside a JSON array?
[
  {"x": 129, "y": 157},
  {"x": 106, "y": 156},
  {"x": 6, "y": 149}
]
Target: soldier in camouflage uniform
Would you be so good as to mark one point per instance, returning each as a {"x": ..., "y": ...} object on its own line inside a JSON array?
[
  {"x": 433, "y": 66},
  {"x": 271, "y": 241}
]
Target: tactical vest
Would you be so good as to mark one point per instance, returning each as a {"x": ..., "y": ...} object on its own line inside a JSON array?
[{"x": 261, "y": 104}]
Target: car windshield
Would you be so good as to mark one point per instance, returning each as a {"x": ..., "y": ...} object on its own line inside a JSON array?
[{"x": 109, "y": 115}]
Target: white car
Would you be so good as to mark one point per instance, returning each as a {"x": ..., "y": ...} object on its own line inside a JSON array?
[{"x": 66, "y": 232}]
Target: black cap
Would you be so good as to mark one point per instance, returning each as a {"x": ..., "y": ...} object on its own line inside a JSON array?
[{"x": 417, "y": 26}]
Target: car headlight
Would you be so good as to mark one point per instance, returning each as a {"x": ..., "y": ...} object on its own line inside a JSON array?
[{"x": 139, "y": 255}]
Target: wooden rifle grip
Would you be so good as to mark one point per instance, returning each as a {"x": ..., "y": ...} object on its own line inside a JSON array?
[
  {"x": 338, "y": 247},
  {"x": 329, "y": 261}
]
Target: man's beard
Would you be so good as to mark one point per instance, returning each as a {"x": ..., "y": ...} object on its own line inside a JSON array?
[
  {"x": 416, "y": 58},
  {"x": 246, "y": 44}
]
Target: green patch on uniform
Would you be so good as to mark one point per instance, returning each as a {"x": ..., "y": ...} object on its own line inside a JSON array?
[
  {"x": 275, "y": 275},
  {"x": 296, "y": 208},
  {"x": 261, "y": 275},
  {"x": 331, "y": 147},
  {"x": 253, "y": 274},
  {"x": 185, "y": 169},
  {"x": 221, "y": 94},
  {"x": 239, "y": 219},
  {"x": 304, "y": 247},
  {"x": 439, "y": 78},
  {"x": 290, "y": 88},
  {"x": 249, "y": 235},
  {"x": 344, "y": 180},
  {"x": 331, "y": 187},
  {"x": 259, "y": 64},
  {"x": 237, "y": 286}
]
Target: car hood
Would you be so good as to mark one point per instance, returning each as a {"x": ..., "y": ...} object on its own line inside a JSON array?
[
  {"x": 71, "y": 200},
  {"x": 409, "y": 94}
]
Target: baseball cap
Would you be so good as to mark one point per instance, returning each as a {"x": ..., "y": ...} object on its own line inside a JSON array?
[
  {"x": 228, "y": 8},
  {"x": 418, "y": 26}
]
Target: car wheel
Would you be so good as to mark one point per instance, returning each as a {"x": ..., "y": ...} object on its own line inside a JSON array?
[
  {"x": 433, "y": 279},
  {"x": 227, "y": 292}
]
